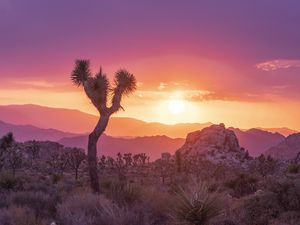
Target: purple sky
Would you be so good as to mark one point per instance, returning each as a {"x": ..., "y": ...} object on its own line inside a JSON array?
[{"x": 259, "y": 40}]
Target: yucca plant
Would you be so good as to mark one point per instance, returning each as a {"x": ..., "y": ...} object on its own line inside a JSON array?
[
  {"x": 195, "y": 207},
  {"x": 107, "y": 100}
]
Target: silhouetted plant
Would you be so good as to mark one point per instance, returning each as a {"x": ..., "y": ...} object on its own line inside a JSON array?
[
  {"x": 14, "y": 158},
  {"x": 124, "y": 193},
  {"x": 34, "y": 150},
  {"x": 128, "y": 159},
  {"x": 293, "y": 168},
  {"x": 242, "y": 185},
  {"x": 58, "y": 162},
  {"x": 178, "y": 161},
  {"x": 6, "y": 142},
  {"x": 196, "y": 207},
  {"x": 99, "y": 90},
  {"x": 265, "y": 165},
  {"x": 120, "y": 166},
  {"x": 8, "y": 181},
  {"x": 75, "y": 157}
]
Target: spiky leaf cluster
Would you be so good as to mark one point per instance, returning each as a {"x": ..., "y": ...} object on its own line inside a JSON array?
[
  {"x": 196, "y": 207},
  {"x": 98, "y": 88},
  {"x": 125, "y": 81},
  {"x": 81, "y": 72}
]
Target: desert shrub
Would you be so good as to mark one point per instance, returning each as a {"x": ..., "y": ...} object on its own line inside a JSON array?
[
  {"x": 56, "y": 178},
  {"x": 19, "y": 216},
  {"x": 4, "y": 200},
  {"x": 259, "y": 210},
  {"x": 42, "y": 204},
  {"x": 38, "y": 187},
  {"x": 124, "y": 193},
  {"x": 225, "y": 222},
  {"x": 83, "y": 209},
  {"x": 242, "y": 185},
  {"x": 195, "y": 207},
  {"x": 287, "y": 194},
  {"x": 293, "y": 168},
  {"x": 91, "y": 209},
  {"x": 9, "y": 182},
  {"x": 156, "y": 206},
  {"x": 287, "y": 218},
  {"x": 112, "y": 214}
]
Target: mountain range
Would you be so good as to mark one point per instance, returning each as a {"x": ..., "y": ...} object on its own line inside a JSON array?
[
  {"x": 107, "y": 145},
  {"x": 75, "y": 121},
  {"x": 70, "y": 127},
  {"x": 289, "y": 148},
  {"x": 257, "y": 141}
]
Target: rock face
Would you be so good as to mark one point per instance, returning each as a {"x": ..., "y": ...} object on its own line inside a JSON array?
[
  {"x": 216, "y": 144},
  {"x": 287, "y": 149},
  {"x": 215, "y": 137}
]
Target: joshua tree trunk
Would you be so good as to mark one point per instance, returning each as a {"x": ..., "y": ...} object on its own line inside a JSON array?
[
  {"x": 99, "y": 90},
  {"x": 92, "y": 151}
]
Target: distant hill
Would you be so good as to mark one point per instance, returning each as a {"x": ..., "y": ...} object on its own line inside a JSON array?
[
  {"x": 287, "y": 149},
  {"x": 152, "y": 145},
  {"x": 75, "y": 121},
  {"x": 79, "y": 122},
  {"x": 283, "y": 130},
  {"x": 257, "y": 141},
  {"x": 28, "y": 132}
]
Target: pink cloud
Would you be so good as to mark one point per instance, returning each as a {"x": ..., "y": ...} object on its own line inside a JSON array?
[{"x": 277, "y": 64}]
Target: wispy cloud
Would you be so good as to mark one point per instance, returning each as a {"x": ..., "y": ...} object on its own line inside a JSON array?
[
  {"x": 278, "y": 64},
  {"x": 38, "y": 85},
  {"x": 162, "y": 86}
]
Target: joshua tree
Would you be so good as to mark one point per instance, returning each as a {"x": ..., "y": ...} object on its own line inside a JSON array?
[
  {"x": 76, "y": 157},
  {"x": 34, "y": 151},
  {"x": 58, "y": 162},
  {"x": 128, "y": 159},
  {"x": 99, "y": 91},
  {"x": 15, "y": 157},
  {"x": 6, "y": 142},
  {"x": 178, "y": 161}
]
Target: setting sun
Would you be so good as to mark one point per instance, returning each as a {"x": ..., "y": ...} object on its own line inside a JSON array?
[{"x": 176, "y": 106}]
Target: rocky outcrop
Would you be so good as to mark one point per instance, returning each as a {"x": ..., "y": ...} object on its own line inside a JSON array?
[
  {"x": 215, "y": 137},
  {"x": 216, "y": 144},
  {"x": 287, "y": 149}
]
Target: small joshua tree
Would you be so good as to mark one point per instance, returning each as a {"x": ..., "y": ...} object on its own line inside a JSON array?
[
  {"x": 34, "y": 151},
  {"x": 99, "y": 91},
  {"x": 14, "y": 159},
  {"x": 58, "y": 162},
  {"x": 6, "y": 142},
  {"x": 76, "y": 157}
]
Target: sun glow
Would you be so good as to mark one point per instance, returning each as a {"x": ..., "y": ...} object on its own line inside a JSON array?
[{"x": 176, "y": 106}]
